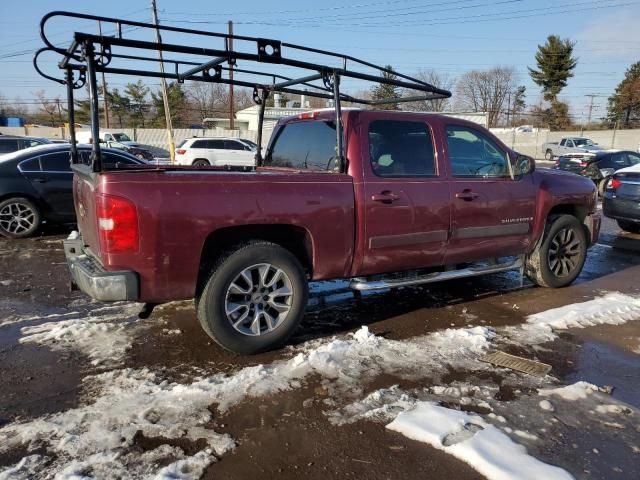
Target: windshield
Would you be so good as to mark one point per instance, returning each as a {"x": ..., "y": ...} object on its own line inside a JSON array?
[
  {"x": 253, "y": 145},
  {"x": 121, "y": 137},
  {"x": 581, "y": 142}
]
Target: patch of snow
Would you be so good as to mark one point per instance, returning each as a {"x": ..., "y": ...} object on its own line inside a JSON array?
[
  {"x": 100, "y": 333},
  {"x": 576, "y": 391},
  {"x": 612, "y": 308},
  {"x": 472, "y": 440},
  {"x": 24, "y": 469},
  {"x": 615, "y": 409},
  {"x": 546, "y": 405}
]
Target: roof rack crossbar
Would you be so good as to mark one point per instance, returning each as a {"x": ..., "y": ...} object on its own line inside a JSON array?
[{"x": 202, "y": 67}]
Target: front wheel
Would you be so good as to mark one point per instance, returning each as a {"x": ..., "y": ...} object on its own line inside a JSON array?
[
  {"x": 548, "y": 155},
  {"x": 559, "y": 258},
  {"x": 254, "y": 299},
  {"x": 19, "y": 217}
]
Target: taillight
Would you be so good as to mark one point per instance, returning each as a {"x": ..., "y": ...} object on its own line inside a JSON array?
[
  {"x": 614, "y": 183},
  {"x": 117, "y": 224},
  {"x": 181, "y": 151},
  {"x": 307, "y": 115},
  {"x": 583, "y": 163}
]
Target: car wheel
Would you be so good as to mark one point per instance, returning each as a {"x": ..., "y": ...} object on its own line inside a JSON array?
[
  {"x": 254, "y": 298},
  {"x": 602, "y": 184},
  {"x": 548, "y": 155},
  {"x": 559, "y": 257},
  {"x": 201, "y": 162},
  {"x": 629, "y": 226},
  {"x": 19, "y": 218}
]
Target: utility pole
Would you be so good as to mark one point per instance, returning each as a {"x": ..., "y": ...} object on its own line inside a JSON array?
[
  {"x": 590, "y": 108},
  {"x": 104, "y": 88},
  {"x": 232, "y": 113},
  {"x": 163, "y": 83},
  {"x": 508, "y": 107}
]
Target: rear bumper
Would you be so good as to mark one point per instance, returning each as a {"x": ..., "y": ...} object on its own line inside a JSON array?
[
  {"x": 621, "y": 208},
  {"x": 88, "y": 274}
]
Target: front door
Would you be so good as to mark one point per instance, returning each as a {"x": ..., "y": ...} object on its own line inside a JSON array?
[
  {"x": 240, "y": 154},
  {"x": 405, "y": 197},
  {"x": 491, "y": 213}
]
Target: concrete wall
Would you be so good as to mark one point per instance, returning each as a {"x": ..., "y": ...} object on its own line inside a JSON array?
[{"x": 530, "y": 143}]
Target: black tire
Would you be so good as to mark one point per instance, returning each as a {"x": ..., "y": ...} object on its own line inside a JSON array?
[
  {"x": 212, "y": 303},
  {"x": 556, "y": 270},
  {"x": 548, "y": 155},
  {"x": 29, "y": 217},
  {"x": 201, "y": 162},
  {"x": 629, "y": 226},
  {"x": 602, "y": 184}
]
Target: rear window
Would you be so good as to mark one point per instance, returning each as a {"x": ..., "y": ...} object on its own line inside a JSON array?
[
  {"x": 309, "y": 145},
  {"x": 401, "y": 149},
  {"x": 181, "y": 143},
  {"x": 199, "y": 144},
  {"x": 56, "y": 162},
  {"x": 8, "y": 145}
]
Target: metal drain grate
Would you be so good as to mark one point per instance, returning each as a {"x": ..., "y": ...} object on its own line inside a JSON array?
[{"x": 524, "y": 365}]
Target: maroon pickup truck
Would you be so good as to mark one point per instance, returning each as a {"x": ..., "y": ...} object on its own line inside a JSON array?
[{"x": 424, "y": 198}]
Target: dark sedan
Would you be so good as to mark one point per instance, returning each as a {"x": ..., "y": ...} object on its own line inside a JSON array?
[
  {"x": 622, "y": 199},
  {"x": 599, "y": 166},
  {"x": 13, "y": 143},
  {"x": 35, "y": 186}
]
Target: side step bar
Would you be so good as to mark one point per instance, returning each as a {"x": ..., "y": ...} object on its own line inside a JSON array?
[{"x": 362, "y": 284}]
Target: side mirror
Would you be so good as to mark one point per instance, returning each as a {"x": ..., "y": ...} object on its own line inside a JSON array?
[{"x": 524, "y": 165}]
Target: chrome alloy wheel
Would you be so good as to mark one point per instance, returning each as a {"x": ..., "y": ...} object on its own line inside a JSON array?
[
  {"x": 17, "y": 218},
  {"x": 564, "y": 252},
  {"x": 259, "y": 299}
]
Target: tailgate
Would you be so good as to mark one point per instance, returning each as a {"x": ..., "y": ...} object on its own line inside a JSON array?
[{"x": 84, "y": 185}]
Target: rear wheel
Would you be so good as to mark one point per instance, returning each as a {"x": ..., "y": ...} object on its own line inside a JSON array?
[
  {"x": 19, "y": 217},
  {"x": 548, "y": 155},
  {"x": 629, "y": 226},
  {"x": 201, "y": 162},
  {"x": 254, "y": 298},
  {"x": 559, "y": 257},
  {"x": 602, "y": 184}
]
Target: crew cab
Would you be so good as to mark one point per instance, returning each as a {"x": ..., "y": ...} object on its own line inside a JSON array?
[
  {"x": 421, "y": 198},
  {"x": 569, "y": 145}
]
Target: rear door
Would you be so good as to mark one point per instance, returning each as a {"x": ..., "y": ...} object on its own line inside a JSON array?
[
  {"x": 491, "y": 214},
  {"x": 216, "y": 152},
  {"x": 406, "y": 195},
  {"x": 239, "y": 153},
  {"x": 53, "y": 183}
]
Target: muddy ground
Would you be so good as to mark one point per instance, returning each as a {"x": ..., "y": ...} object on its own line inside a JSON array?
[{"x": 286, "y": 435}]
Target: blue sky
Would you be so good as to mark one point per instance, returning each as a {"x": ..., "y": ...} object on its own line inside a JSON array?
[{"x": 451, "y": 36}]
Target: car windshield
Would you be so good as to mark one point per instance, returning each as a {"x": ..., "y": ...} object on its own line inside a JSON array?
[
  {"x": 121, "y": 137},
  {"x": 581, "y": 142},
  {"x": 250, "y": 143}
]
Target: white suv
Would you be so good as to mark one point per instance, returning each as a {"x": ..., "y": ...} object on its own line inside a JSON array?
[{"x": 216, "y": 152}]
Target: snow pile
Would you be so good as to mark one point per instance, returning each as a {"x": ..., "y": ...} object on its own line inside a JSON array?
[
  {"x": 99, "y": 333},
  {"x": 472, "y": 440},
  {"x": 612, "y": 308},
  {"x": 575, "y": 391},
  {"x": 139, "y": 400},
  {"x": 381, "y": 405}
]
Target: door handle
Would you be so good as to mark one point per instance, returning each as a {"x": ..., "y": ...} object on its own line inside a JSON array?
[
  {"x": 385, "y": 197},
  {"x": 467, "y": 195},
  {"x": 40, "y": 180}
]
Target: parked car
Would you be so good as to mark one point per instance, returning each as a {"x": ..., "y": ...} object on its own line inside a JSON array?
[
  {"x": 622, "y": 198},
  {"x": 35, "y": 186},
  {"x": 141, "y": 153},
  {"x": 201, "y": 151},
  {"x": 120, "y": 141},
  {"x": 246, "y": 244},
  {"x": 569, "y": 145},
  {"x": 597, "y": 166},
  {"x": 13, "y": 143}
]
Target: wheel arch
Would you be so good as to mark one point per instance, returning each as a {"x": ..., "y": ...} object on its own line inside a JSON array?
[{"x": 294, "y": 238}]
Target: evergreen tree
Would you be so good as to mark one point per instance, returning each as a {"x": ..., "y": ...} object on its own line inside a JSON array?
[
  {"x": 624, "y": 104},
  {"x": 519, "y": 103},
  {"x": 119, "y": 105},
  {"x": 178, "y": 105},
  {"x": 137, "y": 93},
  {"x": 555, "y": 66},
  {"x": 385, "y": 91}
]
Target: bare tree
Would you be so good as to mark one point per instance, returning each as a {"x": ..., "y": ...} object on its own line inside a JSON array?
[
  {"x": 437, "y": 79},
  {"x": 485, "y": 91},
  {"x": 50, "y": 107}
]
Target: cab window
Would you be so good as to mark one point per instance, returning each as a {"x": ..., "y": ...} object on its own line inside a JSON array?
[
  {"x": 401, "y": 149},
  {"x": 473, "y": 154}
]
